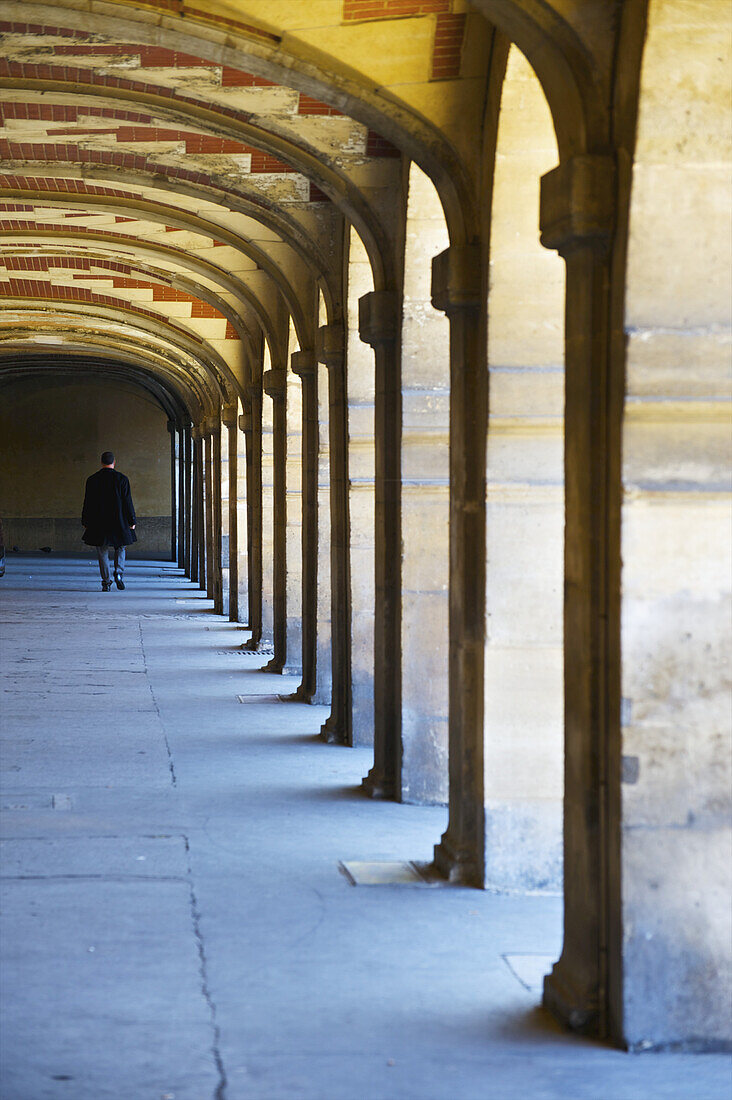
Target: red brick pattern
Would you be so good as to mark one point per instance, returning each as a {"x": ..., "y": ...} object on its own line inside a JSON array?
[
  {"x": 63, "y": 186},
  {"x": 60, "y": 187},
  {"x": 160, "y": 292},
  {"x": 32, "y": 288},
  {"x": 179, "y": 7},
  {"x": 74, "y": 154},
  {"x": 449, "y": 29},
  {"x": 316, "y": 195},
  {"x": 378, "y": 146},
  {"x": 53, "y": 112},
  {"x": 365, "y": 10},
  {"x": 447, "y": 52},
  {"x": 309, "y": 106}
]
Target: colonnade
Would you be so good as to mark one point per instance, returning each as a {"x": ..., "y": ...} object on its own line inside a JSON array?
[{"x": 428, "y": 414}]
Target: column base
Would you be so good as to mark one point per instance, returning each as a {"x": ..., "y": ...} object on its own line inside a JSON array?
[
  {"x": 380, "y": 786},
  {"x": 299, "y": 696},
  {"x": 276, "y": 665},
  {"x": 456, "y": 864},
  {"x": 571, "y": 1006},
  {"x": 254, "y": 646},
  {"x": 331, "y": 733}
]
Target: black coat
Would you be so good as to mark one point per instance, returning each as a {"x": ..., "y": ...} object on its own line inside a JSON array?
[{"x": 108, "y": 512}]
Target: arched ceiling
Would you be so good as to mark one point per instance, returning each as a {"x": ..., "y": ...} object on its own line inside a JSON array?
[{"x": 178, "y": 177}]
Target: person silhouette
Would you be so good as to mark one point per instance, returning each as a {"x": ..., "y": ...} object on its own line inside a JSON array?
[{"x": 108, "y": 516}]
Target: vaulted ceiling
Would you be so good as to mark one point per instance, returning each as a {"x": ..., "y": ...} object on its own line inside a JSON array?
[
  {"x": 177, "y": 178},
  {"x": 164, "y": 210}
]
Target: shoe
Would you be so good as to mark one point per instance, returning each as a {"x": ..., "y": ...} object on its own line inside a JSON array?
[
  {"x": 120, "y": 583},
  {"x": 106, "y": 585}
]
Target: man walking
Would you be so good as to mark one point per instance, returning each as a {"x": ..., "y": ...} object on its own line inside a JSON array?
[{"x": 109, "y": 518}]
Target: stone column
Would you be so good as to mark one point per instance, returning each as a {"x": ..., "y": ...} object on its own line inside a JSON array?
[
  {"x": 198, "y": 530},
  {"x": 379, "y": 326},
  {"x": 218, "y": 589},
  {"x": 245, "y": 427},
  {"x": 209, "y": 482},
  {"x": 331, "y": 351},
  {"x": 577, "y": 207},
  {"x": 425, "y": 503},
  {"x": 457, "y": 288},
  {"x": 274, "y": 384},
  {"x": 305, "y": 366},
  {"x": 173, "y": 483},
  {"x": 293, "y": 526},
  {"x": 229, "y": 416},
  {"x": 181, "y": 470},
  {"x": 324, "y": 649},
  {"x": 187, "y": 499},
  {"x": 252, "y": 426},
  {"x": 361, "y": 468},
  {"x": 676, "y": 339}
]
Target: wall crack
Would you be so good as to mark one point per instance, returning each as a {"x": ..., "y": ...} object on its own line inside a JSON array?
[
  {"x": 171, "y": 765},
  {"x": 220, "y": 1090}
]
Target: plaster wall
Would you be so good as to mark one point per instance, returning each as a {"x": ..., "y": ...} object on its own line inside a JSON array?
[
  {"x": 676, "y": 871},
  {"x": 425, "y": 503},
  {"x": 525, "y": 507},
  {"x": 360, "y": 382},
  {"x": 53, "y": 432}
]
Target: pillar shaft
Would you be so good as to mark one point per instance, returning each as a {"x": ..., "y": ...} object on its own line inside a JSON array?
[
  {"x": 209, "y": 512},
  {"x": 173, "y": 500},
  {"x": 180, "y": 470},
  {"x": 576, "y": 218},
  {"x": 188, "y": 501},
  {"x": 379, "y": 326},
  {"x": 274, "y": 385},
  {"x": 456, "y": 288},
  {"x": 230, "y": 418},
  {"x": 304, "y": 364},
  {"x": 254, "y": 510},
  {"x": 331, "y": 351},
  {"x": 216, "y": 505},
  {"x": 198, "y": 535}
]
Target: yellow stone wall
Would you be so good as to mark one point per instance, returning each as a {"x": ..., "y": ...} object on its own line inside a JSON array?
[{"x": 52, "y": 436}]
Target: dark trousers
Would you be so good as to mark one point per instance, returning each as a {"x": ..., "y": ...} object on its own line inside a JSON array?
[{"x": 103, "y": 558}]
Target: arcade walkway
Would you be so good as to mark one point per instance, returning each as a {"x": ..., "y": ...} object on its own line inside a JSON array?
[{"x": 174, "y": 923}]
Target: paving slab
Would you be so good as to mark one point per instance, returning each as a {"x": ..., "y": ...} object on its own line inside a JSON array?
[{"x": 174, "y": 920}]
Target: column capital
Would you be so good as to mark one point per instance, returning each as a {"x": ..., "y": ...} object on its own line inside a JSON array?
[
  {"x": 198, "y": 430},
  {"x": 331, "y": 345},
  {"x": 229, "y": 414},
  {"x": 577, "y": 205},
  {"x": 245, "y": 422},
  {"x": 304, "y": 363},
  {"x": 379, "y": 314},
  {"x": 274, "y": 383},
  {"x": 456, "y": 278}
]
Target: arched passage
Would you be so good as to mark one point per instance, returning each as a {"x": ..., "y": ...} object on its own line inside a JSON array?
[{"x": 264, "y": 188}]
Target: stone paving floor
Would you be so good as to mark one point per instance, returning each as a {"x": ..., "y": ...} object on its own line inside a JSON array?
[{"x": 174, "y": 923}]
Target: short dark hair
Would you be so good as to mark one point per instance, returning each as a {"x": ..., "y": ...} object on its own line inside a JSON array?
[{"x": 107, "y": 458}]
